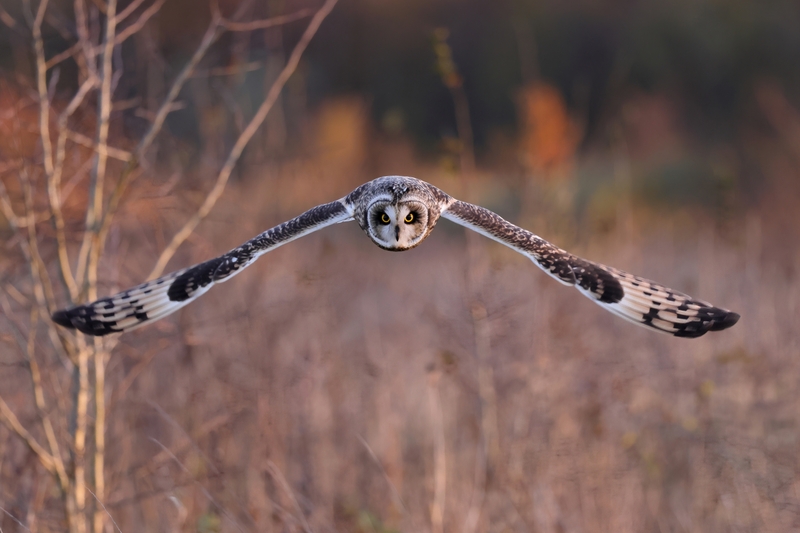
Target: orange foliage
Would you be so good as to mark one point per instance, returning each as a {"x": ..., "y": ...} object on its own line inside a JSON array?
[{"x": 549, "y": 137}]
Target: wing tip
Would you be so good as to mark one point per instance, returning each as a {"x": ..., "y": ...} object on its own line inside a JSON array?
[
  {"x": 79, "y": 318},
  {"x": 727, "y": 320},
  {"x": 62, "y": 318},
  {"x": 720, "y": 319}
]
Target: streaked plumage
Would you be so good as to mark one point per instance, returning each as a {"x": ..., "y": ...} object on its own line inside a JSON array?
[{"x": 398, "y": 213}]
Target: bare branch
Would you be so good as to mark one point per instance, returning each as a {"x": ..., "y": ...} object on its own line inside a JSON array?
[
  {"x": 140, "y": 22},
  {"x": 83, "y": 140},
  {"x": 88, "y": 255},
  {"x": 83, "y": 38},
  {"x": 8, "y": 209},
  {"x": 53, "y": 168},
  {"x": 266, "y": 23},
  {"x": 11, "y": 421},
  {"x": 101, "y": 6},
  {"x": 41, "y": 85},
  {"x": 42, "y": 287},
  {"x": 100, "y": 362},
  {"x": 7, "y": 19},
  {"x": 214, "y": 30},
  {"x": 54, "y": 186},
  {"x": 212, "y": 34},
  {"x": 66, "y": 54},
  {"x": 133, "y": 6},
  {"x": 41, "y": 406},
  {"x": 8, "y": 166},
  {"x": 79, "y": 438},
  {"x": 244, "y": 138},
  {"x": 150, "y": 116}
]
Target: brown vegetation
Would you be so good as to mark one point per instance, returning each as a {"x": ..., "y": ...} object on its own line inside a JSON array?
[{"x": 455, "y": 387}]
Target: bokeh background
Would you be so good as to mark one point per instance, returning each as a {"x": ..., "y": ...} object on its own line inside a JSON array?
[{"x": 455, "y": 387}]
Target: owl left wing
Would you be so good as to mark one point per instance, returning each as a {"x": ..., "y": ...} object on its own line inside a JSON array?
[
  {"x": 638, "y": 300},
  {"x": 155, "y": 299}
]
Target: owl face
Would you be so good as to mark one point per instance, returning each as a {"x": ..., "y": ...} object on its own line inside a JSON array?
[{"x": 397, "y": 226}]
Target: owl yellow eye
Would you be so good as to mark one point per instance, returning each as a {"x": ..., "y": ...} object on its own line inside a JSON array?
[
  {"x": 409, "y": 218},
  {"x": 385, "y": 218}
]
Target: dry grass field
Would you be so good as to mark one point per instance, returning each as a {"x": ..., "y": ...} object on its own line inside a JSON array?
[{"x": 335, "y": 387}]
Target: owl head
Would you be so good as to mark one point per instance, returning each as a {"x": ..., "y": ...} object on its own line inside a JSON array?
[{"x": 399, "y": 217}]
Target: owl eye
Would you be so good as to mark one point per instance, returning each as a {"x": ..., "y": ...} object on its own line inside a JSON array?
[
  {"x": 409, "y": 218},
  {"x": 385, "y": 218}
]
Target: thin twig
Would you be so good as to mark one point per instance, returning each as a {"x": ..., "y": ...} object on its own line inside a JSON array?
[
  {"x": 100, "y": 362},
  {"x": 266, "y": 23},
  {"x": 14, "y": 518},
  {"x": 94, "y": 213},
  {"x": 41, "y": 85},
  {"x": 202, "y": 488},
  {"x": 54, "y": 186},
  {"x": 278, "y": 476},
  {"x": 122, "y": 15},
  {"x": 11, "y": 421},
  {"x": 86, "y": 61},
  {"x": 241, "y": 142},
  {"x": 66, "y": 54},
  {"x": 104, "y": 509},
  {"x": 43, "y": 288},
  {"x": 81, "y": 403},
  {"x": 114, "y": 153},
  {"x": 175, "y": 424},
  {"x": 8, "y": 209},
  {"x": 398, "y": 500},
  {"x": 212, "y": 34},
  {"x": 214, "y": 30},
  {"x": 41, "y": 406},
  {"x": 181, "y": 446},
  {"x": 146, "y": 15},
  {"x": 7, "y": 19}
]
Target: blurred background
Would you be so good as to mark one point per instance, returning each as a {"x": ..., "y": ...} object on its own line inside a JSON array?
[{"x": 455, "y": 387}]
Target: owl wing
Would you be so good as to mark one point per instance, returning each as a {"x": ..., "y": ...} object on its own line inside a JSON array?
[
  {"x": 638, "y": 300},
  {"x": 155, "y": 299}
]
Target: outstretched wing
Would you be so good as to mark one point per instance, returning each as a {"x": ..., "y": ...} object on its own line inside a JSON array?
[
  {"x": 633, "y": 298},
  {"x": 155, "y": 299}
]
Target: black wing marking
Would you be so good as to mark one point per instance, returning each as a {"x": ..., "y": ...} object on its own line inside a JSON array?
[
  {"x": 636, "y": 299},
  {"x": 155, "y": 299}
]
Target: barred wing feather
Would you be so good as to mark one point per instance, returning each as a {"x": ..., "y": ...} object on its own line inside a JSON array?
[
  {"x": 155, "y": 299},
  {"x": 635, "y": 299}
]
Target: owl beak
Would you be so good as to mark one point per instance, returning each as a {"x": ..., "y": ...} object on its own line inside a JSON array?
[{"x": 397, "y": 233}]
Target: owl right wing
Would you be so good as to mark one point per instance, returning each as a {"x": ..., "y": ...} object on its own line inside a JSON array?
[
  {"x": 155, "y": 299},
  {"x": 635, "y": 299}
]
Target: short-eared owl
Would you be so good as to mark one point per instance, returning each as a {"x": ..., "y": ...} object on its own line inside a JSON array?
[{"x": 398, "y": 213}]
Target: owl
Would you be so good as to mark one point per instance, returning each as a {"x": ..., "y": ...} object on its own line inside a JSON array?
[{"x": 397, "y": 213}]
